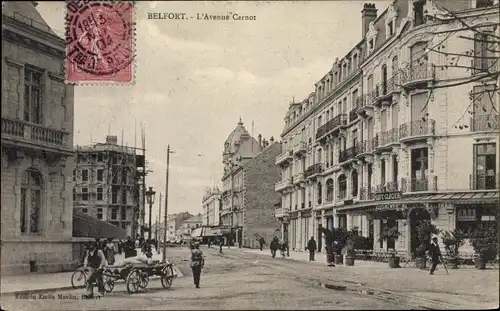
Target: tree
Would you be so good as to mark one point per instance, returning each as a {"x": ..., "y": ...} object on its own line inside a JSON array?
[{"x": 477, "y": 65}]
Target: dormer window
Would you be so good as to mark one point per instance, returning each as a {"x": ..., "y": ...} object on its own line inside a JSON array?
[
  {"x": 418, "y": 12},
  {"x": 390, "y": 28},
  {"x": 390, "y": 21},
  {"x": 371, "y": 44},
  {"x": 371, "y": 36}
]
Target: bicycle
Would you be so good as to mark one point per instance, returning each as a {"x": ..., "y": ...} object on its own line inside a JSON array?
[{"x": 79, "y": 279}]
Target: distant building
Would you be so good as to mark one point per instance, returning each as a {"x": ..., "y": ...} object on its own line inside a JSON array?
[
  {"x": 189, "y": 225},
  {"x": 248, "y": 195},
  {"x": 174, "y": 222},
  {"x": 211, "y": 207},
  {"x": 37, "y": 145},
  {"x": 108, "y": 184}
]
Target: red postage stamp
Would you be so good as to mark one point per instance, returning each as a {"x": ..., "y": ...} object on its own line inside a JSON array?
[{"x": 99, "y": 41}]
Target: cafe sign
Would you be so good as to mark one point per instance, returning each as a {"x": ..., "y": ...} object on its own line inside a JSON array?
[{"x": 384, "y": 196}]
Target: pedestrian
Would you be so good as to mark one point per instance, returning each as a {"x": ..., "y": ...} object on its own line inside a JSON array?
[
  {"x": 274, "y": 246},
  {"x": 261, "y": 243},
  {"x": 209, "y": 240},
  {"x": 311, "y": 247},
  {"x": 435, "y": 254},
  {"x": 109, "y": 251},
  {"x": 94, "y": 261},
  {"x": 282, "y": 246},
  {"x": 129, "y": 248},
  {"x": 221, "y": 243},
  {"x": 197, "y": 263}
]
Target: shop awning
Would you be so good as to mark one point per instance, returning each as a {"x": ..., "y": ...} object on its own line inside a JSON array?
[{"x": 475, "y": 197}]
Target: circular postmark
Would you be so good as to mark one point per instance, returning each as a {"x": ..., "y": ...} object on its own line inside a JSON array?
[{"x": 99, "y": 36}]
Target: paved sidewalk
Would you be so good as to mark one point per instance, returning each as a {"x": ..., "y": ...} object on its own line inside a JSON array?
[
  {"x": 50, "y": 281},
  {"x": 465, "y": 286}
]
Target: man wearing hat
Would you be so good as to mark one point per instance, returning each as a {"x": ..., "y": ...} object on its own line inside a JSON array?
[
  {"x": 435, "y": 254},
  {"x": 197, "y": 263},
  {"x": 94, "y": 261}
]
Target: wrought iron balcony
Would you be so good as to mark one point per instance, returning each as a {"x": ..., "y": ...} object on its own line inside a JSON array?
[
  {"x": 416, "y": 74},
  {"x": 416, "y": 129},
  {"x": 313, "y": 170},
  {"x": 428, "y": 183},
  {"x": 389, "y": 137},
  {"x": 392, "y": 84},
  {"x": 347, "y": 154},
  {"x": 284, "y": 156},
  {"x": 364, "y": 103},
  {"x": 300, "y": 147},
  {"x": 484, "y": 123},
  {"x": 483, "y": 182},
  {"x": 19, "y": 132},
  {"x": 332, "y": 125},
  {"x": 283, "y": 184},
  {"x": 353, "y": 114},
  {"x": 388, "y": 187}
]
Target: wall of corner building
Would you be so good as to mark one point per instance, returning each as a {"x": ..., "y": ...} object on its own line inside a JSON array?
[{"x": 260, "y": 197}]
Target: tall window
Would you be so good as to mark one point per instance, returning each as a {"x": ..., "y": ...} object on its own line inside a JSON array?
[
  {"x": 354, "y": 138},
  {"x": 370, "y": 83},
  {"x": 394, "y": 117},
  {"x": 329, "y": 190},
  {"x": 33, "y": 95},
  {"x": 85, "y": 175},
  {"x": 114, "y": 195},
  {"x": 418, "y": 12},
  {"x": 124, "y": 196},
  {"x": 417, "y": 54},
  {"x": 419, "y": 106},
  {"x": 354, "y": 98},
  {"x": 355, "y": 61},
  {"x": 100, "y": 196},
  {"x": 484, "y": 114},
  {"x": 342, "y": 187},
  {"x": 382, "y": 172},
  {"x": 31, "y": 201},
  {"x": 354, "y": 179},
  {"x": 85, "y": 194},
  {"x": 484, "y": 55},
  {"x": 484, "y": 166},
  {"x": 123, "y": 214},
  {"x": 395, "y": 65},
  {"x": 100, "y": 175},
  {"x": 344, "y": 105},
  {"x": 100, "y": 157},
  {"x": 383, "y": 120},
  {"x": 99, "y": 213},
  {"x": 114, "y": 213}
]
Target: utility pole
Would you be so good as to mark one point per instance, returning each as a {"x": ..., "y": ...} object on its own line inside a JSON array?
[
  {"x": 232, "y": 204},
  {"x": 164, "y": 257},
  {"x": 159, "y": 219}
]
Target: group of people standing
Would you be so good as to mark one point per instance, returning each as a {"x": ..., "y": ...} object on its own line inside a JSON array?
[{"x": 281, "y": 245}]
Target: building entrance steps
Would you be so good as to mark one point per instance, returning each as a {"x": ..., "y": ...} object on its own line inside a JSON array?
[{"x": 56, "y": 281}]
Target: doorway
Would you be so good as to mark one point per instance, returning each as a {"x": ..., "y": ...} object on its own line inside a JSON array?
[{"x": 417, "y": 215}]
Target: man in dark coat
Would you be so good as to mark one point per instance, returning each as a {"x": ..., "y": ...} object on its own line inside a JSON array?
[
  {"x": 311, "y": 247},
  {"x": 261, "y": 243},
  {"x": 435, "y": 254},
  {"x": 274, "y": 246}
]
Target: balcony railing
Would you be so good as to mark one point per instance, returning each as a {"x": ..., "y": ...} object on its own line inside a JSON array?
[
  {"x": 416, "y": 73},
  {"x": 479, "y": 123},
  {"x": 283, "y": 157},
  {"x": 428, "y": 183},
  {"x": 331, "y": 125},
  {"x": 353, "y": 115},
  {"x": 483, "y": 182},
  {"x": 280, "y": 185},
  {"x": 392, "y": 84},
  {"x": 313, "y": 170},
  {"x": 364, "y": 101},
  {"x": 388, "y": 187},
  {"x": 38, "y": 134},
  {"x": 280, "y": 212},
  {"x": 416, "y": 128},
  {"x": 389, "y": 137},
  {"x": 300, "y": 147},
  {"x": 347, "y": 154}
]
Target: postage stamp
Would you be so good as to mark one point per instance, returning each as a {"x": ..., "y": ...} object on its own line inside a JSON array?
[{"x": 100, "y": 42}]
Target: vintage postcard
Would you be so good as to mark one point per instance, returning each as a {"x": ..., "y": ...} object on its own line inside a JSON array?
[{"x": 250, "y": 155}]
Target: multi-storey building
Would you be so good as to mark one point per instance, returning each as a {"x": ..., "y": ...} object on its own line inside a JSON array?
[
  {"x": 384, "y": 141},
  {"x": 174, "y": 223},
  {"x": 37, "y": 144},
  {"x": 248, "y": 195},
  {"x": 108, "y": 183},
  {"x": 211, "y": 207},
  {"x": 187, "y": 227}
]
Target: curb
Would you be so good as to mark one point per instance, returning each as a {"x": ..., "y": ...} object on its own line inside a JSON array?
[{"x": 48, "y": 289}]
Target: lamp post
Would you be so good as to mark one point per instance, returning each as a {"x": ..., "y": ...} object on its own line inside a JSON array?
[{"x": 150, "y": 196}]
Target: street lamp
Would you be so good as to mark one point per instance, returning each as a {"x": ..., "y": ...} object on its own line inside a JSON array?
[
  {"x": 150, "y": 196},
  {"x": 164, "y": 255}
]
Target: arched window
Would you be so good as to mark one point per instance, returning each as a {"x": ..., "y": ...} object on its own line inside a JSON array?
[
  {"x": 342, "y": 187},
  {"x": 329, "y": 190},
  {"x": 31, "y": 201},
  {"x": 320, "y": 193},
  {"x": 354, "y": 186}
]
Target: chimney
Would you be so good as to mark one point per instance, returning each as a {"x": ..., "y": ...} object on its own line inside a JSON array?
[
  {"x": 260, "y": 140},
  {"x": 369, "y": 14},
  {"x": 271, "y": 140},
  {"x": 264, "y": 143}
]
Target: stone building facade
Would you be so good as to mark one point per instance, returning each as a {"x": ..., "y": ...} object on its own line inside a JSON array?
[
  {"x": 248, "y": 195},
  {"x": 386, "y": 140},
  {"x": 37, "y": 145},
  {"x": 211, "y": 207}
]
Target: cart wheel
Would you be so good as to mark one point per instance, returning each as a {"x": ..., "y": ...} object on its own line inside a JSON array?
[
  {"x": 132, "y": 281},
  {"x": 167, "y": 277},
  {"x": 78, "y": 279},
  {"x": 143, "y": 280},
  {"x": 108, "y": 280}
]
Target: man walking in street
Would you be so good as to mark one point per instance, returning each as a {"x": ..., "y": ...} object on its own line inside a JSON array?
[
  {"x": 221, "y": 243},
  {"x": 261, "y": 243},
  {"x": 435, "y": 254},
  {"x": 197, "y": 263},
  {"x": 311, "y": 247},
  {"x": 274, "y": 246}
]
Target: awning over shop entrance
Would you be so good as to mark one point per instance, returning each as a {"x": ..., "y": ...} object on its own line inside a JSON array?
[{"x": 475, "y": 197}]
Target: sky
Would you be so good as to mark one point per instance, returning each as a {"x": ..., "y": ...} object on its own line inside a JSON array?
[{"x": 194, "y": 79}]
